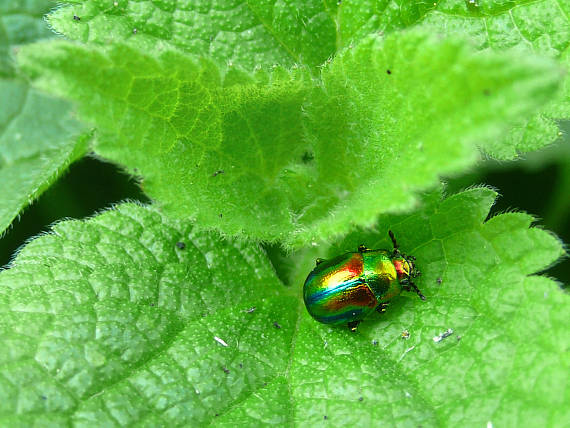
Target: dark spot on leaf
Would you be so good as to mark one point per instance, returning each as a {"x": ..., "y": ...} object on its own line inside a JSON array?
[
  {"x": 76, "y": 18},
  {"x": 264, "y": 383},
  {"x": 226, "y": 370},
  {"x": 181, "y": 245},
  {"x": 220, "y": 215},
  {"x": 325, "y": 417},
  {"x": 218, "y": 172},
  {"x": 486, "y": 92},
  {"x": 276, "y": 325},
  {"x": 375, "y": 342},
  {"x": 389, "y": 71},
  {"x": 152, "y": 304},
  {"x": 217, "y": 414},
  {"x": 308, "y": 157},
  {"x": 44, "y": 397},
  {"x": 439, "y": 280},
  {"x": 240, "y": 365},
  {"x": 360, "y": 398},
  {"x": 250, "y": 310}
]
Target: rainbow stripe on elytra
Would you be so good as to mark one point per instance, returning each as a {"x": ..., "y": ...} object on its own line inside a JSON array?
[{"x": 350, "y": 286}]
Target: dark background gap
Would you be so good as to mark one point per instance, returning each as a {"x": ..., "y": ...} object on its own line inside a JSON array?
[{"x": 87, "y": 188}]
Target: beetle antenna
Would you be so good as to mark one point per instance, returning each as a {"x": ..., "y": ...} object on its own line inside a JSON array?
[{"x": 393, "y": 238}]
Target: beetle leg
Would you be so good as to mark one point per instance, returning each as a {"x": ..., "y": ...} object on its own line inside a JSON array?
[
  {"x": 319, "y": 261},
  {"x": 362, "y": 248},
  {"x": 381, "y": 308},
  {"x": 413, "y": 287},
  {"x": 352, "y": 325}
]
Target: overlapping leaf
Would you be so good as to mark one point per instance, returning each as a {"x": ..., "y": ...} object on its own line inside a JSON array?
[
  {"x": 287, "y": 157},
  {"x": 38, "y": 136},
  {"x": 252, "y": 34},
  {"x": 244, "y": 33},
  {"x": 542, "y": 27},
  {"x": 124, "y": 319}
]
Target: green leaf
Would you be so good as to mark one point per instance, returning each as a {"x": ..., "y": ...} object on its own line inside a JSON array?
[
  {"x": 252, "y": 34},
  {"x": 32, "y": 156},
  {"x": 123, "y": 319},
  {"x": 245, "y": 33},
  {"x": 132, "y": 303},
  {"x": 20, "y": 23},
  {"x": 542, "y": 27},
  {"x": 502, "y": 364},
  {"x": 38, "y": 136},
  {"x": 287, "y": 157}
]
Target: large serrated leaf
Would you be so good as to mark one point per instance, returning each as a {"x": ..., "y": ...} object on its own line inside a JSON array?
[
  {"x": 130, "y": 301},
  {"x": 288, "y": 157},
  {"x": 132, "y": 318}
]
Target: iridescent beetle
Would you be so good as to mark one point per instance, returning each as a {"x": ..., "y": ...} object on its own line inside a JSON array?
[{"x": 349, "y": 287}]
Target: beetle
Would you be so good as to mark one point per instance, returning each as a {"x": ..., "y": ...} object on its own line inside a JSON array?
[{"x": 349, "y": 287}]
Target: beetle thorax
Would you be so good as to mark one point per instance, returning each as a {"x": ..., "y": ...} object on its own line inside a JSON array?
[
  {"x": 381, "y": 275},
  {"x": 403, "y": 268}
]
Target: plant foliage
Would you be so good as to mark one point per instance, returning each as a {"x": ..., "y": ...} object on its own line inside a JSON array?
[
  {"x": 134, "y": 318},
  {"x": 314, "y": 125}
]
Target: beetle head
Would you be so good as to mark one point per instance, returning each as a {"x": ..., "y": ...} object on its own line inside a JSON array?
[
  {"x": 405, "y": 267},
  {"x": 407, "y": 271}
]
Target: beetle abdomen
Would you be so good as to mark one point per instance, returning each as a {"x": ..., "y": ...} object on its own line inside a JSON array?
[{"x": 336, "y": 291}]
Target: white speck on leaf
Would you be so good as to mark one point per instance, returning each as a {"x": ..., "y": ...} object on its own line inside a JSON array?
[
  {"x": 405, "y": 352},
  {"x": 220, "y": 341},
  {"x": 443, "y": 335}
]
